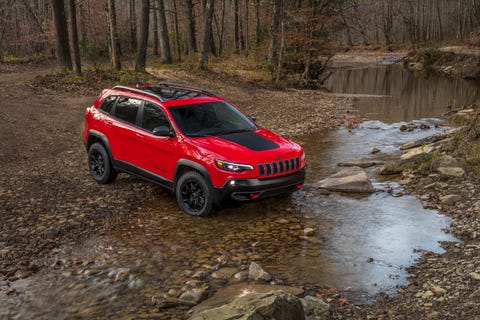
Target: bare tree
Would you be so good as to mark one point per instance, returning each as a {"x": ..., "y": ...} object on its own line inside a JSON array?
[
  {"x": 74, "y": 32},
  {"x": 165, "y": 52},
  {"x": 274, "y": 30},
  {"x": 113, "y": 33},
  {"x": 192, "y": 41},
  {"x": 133, "y": 24},
  {"x": 141, "y": 59},
  {"x": 207, "y": 33},
  {"x": 63, "y": 50}
]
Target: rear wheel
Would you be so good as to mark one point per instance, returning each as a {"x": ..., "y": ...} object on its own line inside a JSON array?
[
  {"x": 194, "y": 194},
  {"x": 99, "y": 163}
]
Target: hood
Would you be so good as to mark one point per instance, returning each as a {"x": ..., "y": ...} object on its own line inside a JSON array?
[{"x": 253, "y": 146}]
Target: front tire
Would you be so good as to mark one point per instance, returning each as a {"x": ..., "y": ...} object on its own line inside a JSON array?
[
  {"x": 99, "y": 163},
  {"x": 194, "y": 194}
]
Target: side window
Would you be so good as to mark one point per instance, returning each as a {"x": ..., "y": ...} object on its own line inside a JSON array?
[
  {"x": 107, "y": 104},
  {"x": 127, "y": 109},
  {"x": 153, "y": 117}
]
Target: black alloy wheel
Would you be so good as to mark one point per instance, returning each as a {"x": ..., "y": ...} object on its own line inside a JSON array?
[
  {"x": 194, "y": 194},
  {"x": 99, "y": 163}
]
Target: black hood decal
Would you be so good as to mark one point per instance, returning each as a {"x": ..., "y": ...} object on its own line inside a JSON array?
[{"x": 250, "y": 140}]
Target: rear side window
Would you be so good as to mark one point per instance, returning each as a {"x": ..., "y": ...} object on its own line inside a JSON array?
[
  {"x": 153, "y": 117},
  {"x": 127, "y": 108},
  {"x": 107, "y": 105}
]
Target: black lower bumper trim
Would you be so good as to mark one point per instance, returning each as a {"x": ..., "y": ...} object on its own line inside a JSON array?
[{"x": 251, "y": 189}]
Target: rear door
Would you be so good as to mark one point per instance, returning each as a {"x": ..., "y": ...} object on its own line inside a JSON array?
[{"x": 123, "y": 138}]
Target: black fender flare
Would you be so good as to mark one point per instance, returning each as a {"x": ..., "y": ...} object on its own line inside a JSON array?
[{"x": 103, "y": 138}]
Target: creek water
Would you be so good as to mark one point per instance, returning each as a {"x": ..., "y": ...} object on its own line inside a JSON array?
[{"x": 361, "y": 244}]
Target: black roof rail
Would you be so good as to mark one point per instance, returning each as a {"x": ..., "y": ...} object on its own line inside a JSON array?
[
  {"x": 150, "y": 93},
  {"x": 183, "y": 86}
]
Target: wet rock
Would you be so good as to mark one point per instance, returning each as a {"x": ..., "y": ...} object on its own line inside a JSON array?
[
  {"x": 450, "y": 199},
  {"x": 408, "y": 127},
  {"x": 427, "y": 295},
  {"x": 390, "y": 168},
  {"x": 308, "y": 232},
  {"x": 199, "y": 275},
  {"x": 256, "y": 273},
  {"x": 451, "y": 171},
  {"x": 361, "y": 164},
  {"x": 375, "y": 151},
  {"x": 282, "y": 221},
  {"x": 224, "y": 273},
  {"x": 172, "y": 292},
  {"x": 193, "y": 297},
  {"x": 241, "y": 276},
  {"x": 353, "y": 180},
  {"x": 278, "y": 305},
  {"x": 315, "y": 308}
]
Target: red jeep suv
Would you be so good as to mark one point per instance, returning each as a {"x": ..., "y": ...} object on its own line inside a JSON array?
[{"x": 190, "y": 141}]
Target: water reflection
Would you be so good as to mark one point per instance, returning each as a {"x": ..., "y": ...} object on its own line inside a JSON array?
[{"x": 402, "y": 95}]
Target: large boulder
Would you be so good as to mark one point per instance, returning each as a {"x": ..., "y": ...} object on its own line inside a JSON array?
[
  {"x": 278, "y": 305},
  {"x": 352, "y": 179},
  {"x": 256, "y": 273}
]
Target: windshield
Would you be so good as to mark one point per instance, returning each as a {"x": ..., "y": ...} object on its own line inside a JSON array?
[{"x": 210, "y": 119}]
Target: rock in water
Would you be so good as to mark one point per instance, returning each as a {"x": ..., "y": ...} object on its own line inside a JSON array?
[
  {"x": 256, "y": 273},
  {"x": 279, "y": 305},
  {"x": 353, "y": 180},
  {"x": 193, "y": 296}
]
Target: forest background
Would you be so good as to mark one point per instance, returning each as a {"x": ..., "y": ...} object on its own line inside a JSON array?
[{"x": 283, "y": 37}]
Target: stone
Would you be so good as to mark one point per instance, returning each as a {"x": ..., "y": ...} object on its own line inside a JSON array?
[
  {"x": 308, "y": 232},
  {"x": 415, "y": 153},
  {"x": 352, "y": 180},
  {"x": 361, "y": 164},
  {"x": 451, "y": 171},
  {"x": 256, "y": 273},
  {"x": 224, "y": 273},
  {"x": 315, "y": 308},
  {"x": 193, "y": 296},
  {"x": 450, "y": 199},
  {"x": 282, "y": 221},
  {"x": 375, "y": 151},
  {"x": 122, "y": 275},
  {"x": 241, "y": 276},
  {"x": 438, "y": 291},
  {"x": 279, "y": 305},
  {"x": 390, "y": 168},
  {"x": 475, "y": 276},
  {"x": 427, "y": 295}
]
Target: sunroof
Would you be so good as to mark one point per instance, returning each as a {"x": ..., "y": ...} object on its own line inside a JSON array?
[{"x": 174, "y": 93}]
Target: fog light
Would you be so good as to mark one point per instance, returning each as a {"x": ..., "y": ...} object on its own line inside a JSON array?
[
  {"x": 232, "y": 183},
  {"x": 299, "y": 186}
]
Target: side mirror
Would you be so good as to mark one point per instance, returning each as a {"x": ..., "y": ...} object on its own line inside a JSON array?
[
  {"x": 163, "y": 131},
  {"x": 253, "y": 117}
]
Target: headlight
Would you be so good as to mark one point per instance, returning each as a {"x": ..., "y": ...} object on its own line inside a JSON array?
[
  {"x": 303, "y": 156},
  {"x": 233, "y": 167}
]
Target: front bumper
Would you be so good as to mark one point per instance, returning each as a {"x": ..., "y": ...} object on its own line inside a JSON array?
[{"x": 251, "y": 189}]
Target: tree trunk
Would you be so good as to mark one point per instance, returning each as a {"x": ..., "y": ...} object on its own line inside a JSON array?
[
  {"x": 177, "y": 32},
  {"x": 165, "y": 52},
  {"x": 155, "y": 30},
  {"x": 236, "y": 27},
  {"x": 141, "y": 59},
  {"x": 192, "y": 40},
  {"x": 73, "y": 29},
  {"x": 64, "y": 59},
  {"x": 273, "y": 47},
  {"x": 257, "y": 23},
  {"x": 133, "y": 25},
  {"x": 113, "y": 35},
  {"x": 247, "y": 34},
  {"x": 207, "y": 33}
]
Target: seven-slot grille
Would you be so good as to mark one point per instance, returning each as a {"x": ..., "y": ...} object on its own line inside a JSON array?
[{"x": 278, "y": 167}]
